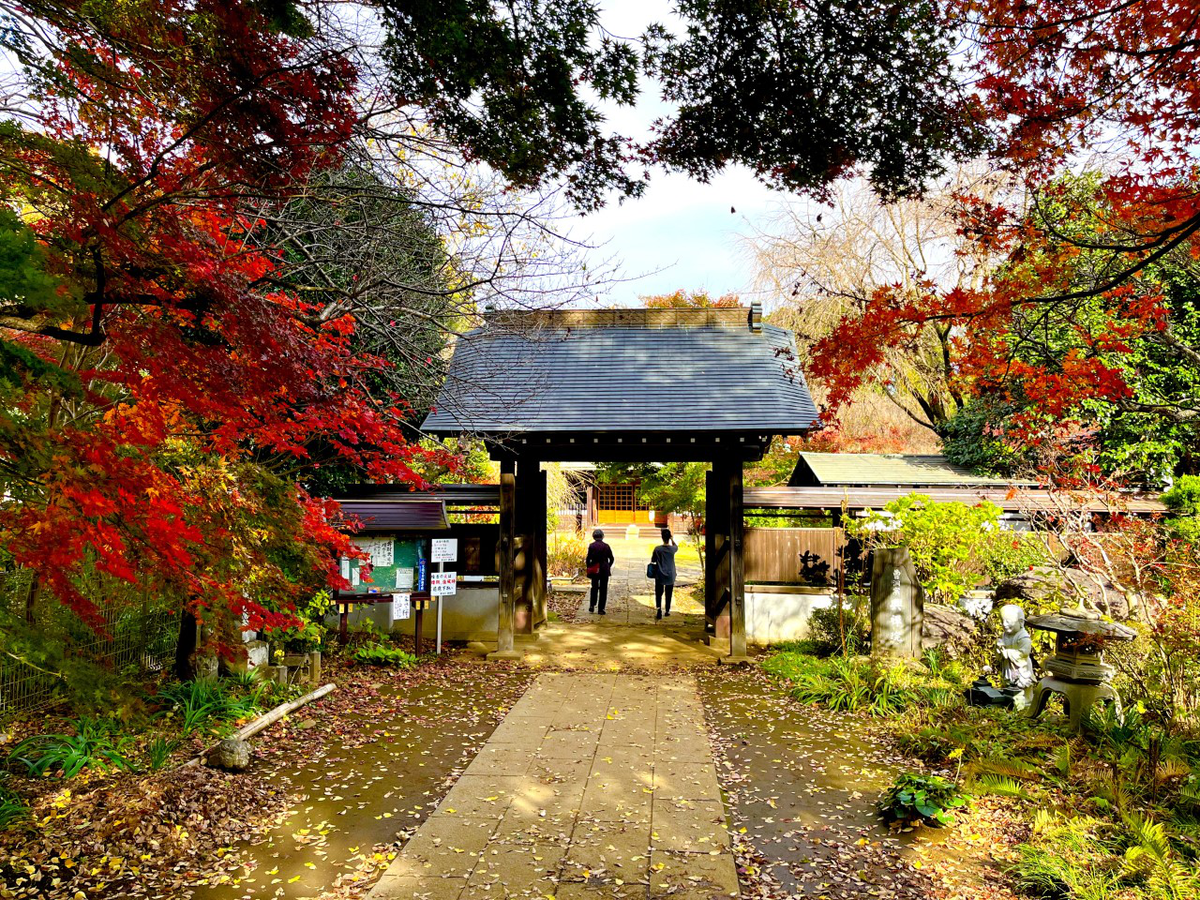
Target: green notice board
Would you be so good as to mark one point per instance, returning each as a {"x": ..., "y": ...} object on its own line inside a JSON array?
[{"x": 394, "y": 564}]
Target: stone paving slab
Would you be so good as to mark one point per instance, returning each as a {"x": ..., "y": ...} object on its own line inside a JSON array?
[{"x": 596, "y": 785}]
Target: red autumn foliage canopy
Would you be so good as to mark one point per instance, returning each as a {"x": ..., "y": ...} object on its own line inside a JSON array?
[
  {"x": 160, "y": 388},
  {"x": 1070, "y": 87}
]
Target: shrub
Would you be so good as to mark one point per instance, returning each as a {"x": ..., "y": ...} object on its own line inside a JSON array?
[
  {"x": 96, "y": 744},
  {"x": 566, "y": 556},
  {"x": 922, "y": 798},
  {"x": 952, "y": 545},
  {"x": 380, "y": 654},
  {"x": 825, "y": 628}
]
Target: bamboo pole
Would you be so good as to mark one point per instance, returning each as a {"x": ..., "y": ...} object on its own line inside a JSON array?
[{"x": 268, "y": 719}]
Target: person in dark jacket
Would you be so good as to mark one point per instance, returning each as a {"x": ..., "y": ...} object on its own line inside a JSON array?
[
  {"x": 599, "y": 566},
  {"x": 664, "y": 572}
]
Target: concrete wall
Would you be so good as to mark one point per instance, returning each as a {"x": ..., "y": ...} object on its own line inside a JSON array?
[
  {"x": 470, "y": 615},
  {"x": 780, "y": 612}
]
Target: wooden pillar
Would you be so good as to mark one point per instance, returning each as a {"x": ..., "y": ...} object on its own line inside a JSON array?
[
  {"x": 540, "y": 565},
  {"x": 525, "y": 546},
  {"x": 716, "y": 576},
  {"x": 507, "y": 554},
  {"x": 737, "y": 571}
]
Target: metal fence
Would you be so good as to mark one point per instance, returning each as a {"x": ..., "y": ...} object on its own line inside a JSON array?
[{"x": 44, "y": 643}]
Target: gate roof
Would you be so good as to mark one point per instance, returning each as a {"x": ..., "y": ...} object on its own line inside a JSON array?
[{"x": 584, "y": 373}]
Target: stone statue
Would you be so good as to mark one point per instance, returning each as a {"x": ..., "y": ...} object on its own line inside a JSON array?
[{"x": 1014, "y": 654}]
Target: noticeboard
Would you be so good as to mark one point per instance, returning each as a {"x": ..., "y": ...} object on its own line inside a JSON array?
[{"x": 394, "y": 565}]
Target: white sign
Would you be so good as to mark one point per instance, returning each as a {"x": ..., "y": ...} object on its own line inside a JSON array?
[
  {"x": 381, "y": 550},
  {"x": 401, "y": 606},
  {"x": 404, "y": 579},
  {"x": 355, "y": 577},
  {"x": 443, "y": 550},
  {"x": 441, "y": 584},
  {"x": 346, "y": 568}
]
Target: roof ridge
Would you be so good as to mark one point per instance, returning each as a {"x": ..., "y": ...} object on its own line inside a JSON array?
[{"x": 725, "y": 318}]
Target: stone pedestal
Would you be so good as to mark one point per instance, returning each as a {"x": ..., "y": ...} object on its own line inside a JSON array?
[
  {"x": 1077, "y": 697},
  {"x": 897, "y": 604}
]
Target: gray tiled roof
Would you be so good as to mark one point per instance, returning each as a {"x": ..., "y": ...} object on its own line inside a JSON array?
[
  {"x": 572, "y": 373},
  {"x": 908, "y": 469}
]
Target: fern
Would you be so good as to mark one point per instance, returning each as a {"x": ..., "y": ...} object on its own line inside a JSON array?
[
  {"x": 1000, "y": 786},
  {"x": 1151, "y": 855},
  {"x": 1009, "y": 768},
  {"x": 1189, "y": 792},
  {"x": 1062, "y": 761}
]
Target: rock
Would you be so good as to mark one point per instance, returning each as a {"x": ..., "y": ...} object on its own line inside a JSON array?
[
  {"x": 257, "y": 654},
  {"x": 232, "y": 754},
  {"x": 1045, "y": 588},
  {"x": 207, "y": 668},
  {"x": 945, "y": 626}
]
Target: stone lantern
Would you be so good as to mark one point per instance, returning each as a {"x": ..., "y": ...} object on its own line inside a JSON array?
[{"x": 1077, "y": 669}]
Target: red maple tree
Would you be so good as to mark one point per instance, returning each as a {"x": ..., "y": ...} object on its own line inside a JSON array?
[
  {"x": 1070, "y": 87},
  {"x": 164, "y": 389}
]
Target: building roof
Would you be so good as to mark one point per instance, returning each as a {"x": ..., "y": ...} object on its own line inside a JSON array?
[
  {"x": 633, "y": 370},
  {"x": 453, "y": 495},
  {"x": 393, "y": 516},
  {"x": 1008, "y": 499},
  {"x": 900, "y": 469}
]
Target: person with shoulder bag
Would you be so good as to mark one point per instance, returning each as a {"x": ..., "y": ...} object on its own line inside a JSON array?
[
  {"x": 599, "y": 564},
  {"x": 662, "y": 570}
]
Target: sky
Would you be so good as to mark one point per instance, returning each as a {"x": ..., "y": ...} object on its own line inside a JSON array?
[{"x": 680, "y": 233}]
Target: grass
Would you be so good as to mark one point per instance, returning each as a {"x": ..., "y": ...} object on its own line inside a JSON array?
[
  {"x": 1114, "y": 812},
  {"x": 95, "y": 744},
  {"x": 203, "y": 704},
  {"x": 849, "y": 684},
  {"x": 12, "y": 808}
]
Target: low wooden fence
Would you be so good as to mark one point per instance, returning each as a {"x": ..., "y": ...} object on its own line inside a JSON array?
[{"x": 806, "y": 556}]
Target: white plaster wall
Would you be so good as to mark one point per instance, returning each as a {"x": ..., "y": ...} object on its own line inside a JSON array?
[
  {"x": 781, "y": 615},
  {"x": 470, "y": 615}
]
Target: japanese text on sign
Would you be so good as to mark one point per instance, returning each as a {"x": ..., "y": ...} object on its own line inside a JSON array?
[
  {"x": 401, "y": 606},
  {"x": 443, "y": 550},
  {"x": 381, "y": 550},
  {"x": 442, "y": 584}
]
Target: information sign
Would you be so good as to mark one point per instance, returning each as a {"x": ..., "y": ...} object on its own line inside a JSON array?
[
  {"x": 422, "y": 574},
  {"x": 404, "y": 579},
  {"x": 442, "y": 584},
  {"x": 381, "y": 550},
  {"x": 443, "y": 550},
  {"x": 401, "y": 606}
]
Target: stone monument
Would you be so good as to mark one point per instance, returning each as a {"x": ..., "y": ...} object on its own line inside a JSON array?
[{"x": 897, "y": 604}]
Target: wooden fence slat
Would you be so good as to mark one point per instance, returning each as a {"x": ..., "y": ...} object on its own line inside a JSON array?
[{"x": 792, "y": 555}]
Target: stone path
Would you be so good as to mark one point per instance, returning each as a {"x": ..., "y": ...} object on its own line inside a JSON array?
[{"x": 595, "y": 785}]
